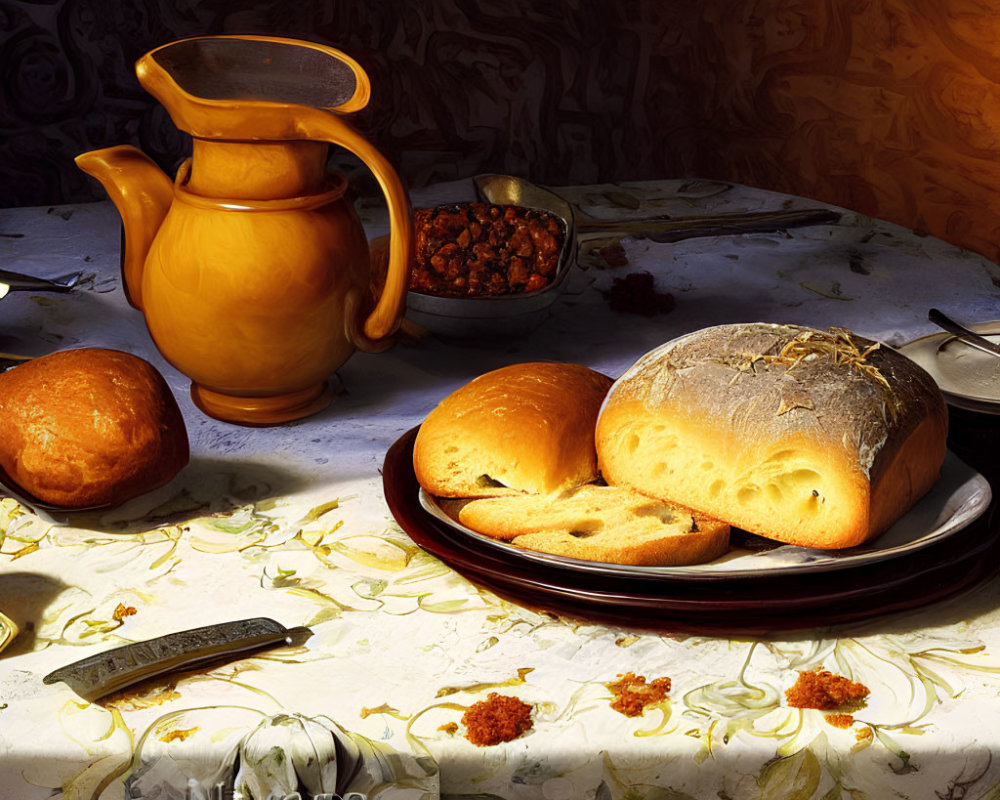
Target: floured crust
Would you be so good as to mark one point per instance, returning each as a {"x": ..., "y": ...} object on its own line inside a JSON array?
[
  {"x": 610, "y": 524},
  {"x": 89, "y": 427},
  {"x": 815, "y": 438},
  {"x": 522, "y": 428}
]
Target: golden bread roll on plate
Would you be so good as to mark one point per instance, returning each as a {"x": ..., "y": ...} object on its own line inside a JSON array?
[
  {"x": 89, "y": 427},
  {"x": 522, "y": 428},
  {"x": 815, "y": 438}
]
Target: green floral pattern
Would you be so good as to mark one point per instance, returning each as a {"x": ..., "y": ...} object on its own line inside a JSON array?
[{"x": 403, "y": 645}]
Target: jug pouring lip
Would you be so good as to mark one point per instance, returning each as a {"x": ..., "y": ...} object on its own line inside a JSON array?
[{"x": 248, "y": 87}]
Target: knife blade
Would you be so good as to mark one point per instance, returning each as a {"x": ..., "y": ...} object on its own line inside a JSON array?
[
  {"x": 971, "y": 338},
  {"x": 104, "y": 673},
  {"x": 16, "y": 282}
]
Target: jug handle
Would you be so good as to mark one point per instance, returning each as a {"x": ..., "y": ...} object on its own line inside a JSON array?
[{"x": 385, "y": 318}]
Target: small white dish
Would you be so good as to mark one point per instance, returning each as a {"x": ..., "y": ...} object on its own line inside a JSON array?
[{"x": 968, "y": 377}]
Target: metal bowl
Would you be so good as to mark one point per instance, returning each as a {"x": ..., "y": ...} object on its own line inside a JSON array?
[{"x": 503, "y": 315}]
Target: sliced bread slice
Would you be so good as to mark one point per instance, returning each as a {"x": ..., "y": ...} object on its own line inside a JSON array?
[{"x": 612, "y": 524}]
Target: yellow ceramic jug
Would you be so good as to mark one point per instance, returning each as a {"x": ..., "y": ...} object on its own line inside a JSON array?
[{"x": 251, "y": 266}]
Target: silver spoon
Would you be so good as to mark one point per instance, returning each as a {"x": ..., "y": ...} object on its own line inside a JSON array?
[{"x": 942, "y": 320}]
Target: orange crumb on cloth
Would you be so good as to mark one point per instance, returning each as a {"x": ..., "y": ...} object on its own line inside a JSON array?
[
  {"x": 824, "y": 690},
  {"x": 632, "y": 694},
  {"x": 496, "y": 719}
]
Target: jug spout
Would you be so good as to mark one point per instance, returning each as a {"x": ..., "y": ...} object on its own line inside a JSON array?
[{"x": 142, "y": 193}]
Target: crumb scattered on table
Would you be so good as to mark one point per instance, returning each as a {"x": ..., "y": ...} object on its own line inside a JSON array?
[
  {"x": 632, "y": 695},
  {"x": 178, "y": 736},
  {"x": 636, "y": 293},
  {"x": 498, "y": 718},
  {"x": 614, "y": 255},
  {"x": 824, "y": 690}
]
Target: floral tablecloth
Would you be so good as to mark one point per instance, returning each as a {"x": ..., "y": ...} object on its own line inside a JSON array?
[{"x": 290, "y": 522}]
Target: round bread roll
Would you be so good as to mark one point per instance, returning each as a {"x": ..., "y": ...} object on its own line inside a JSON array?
[
  {"x": 815, "y": 438},
  {"x": 89, "y": 427},
  {"x": 523, "y": 428}
]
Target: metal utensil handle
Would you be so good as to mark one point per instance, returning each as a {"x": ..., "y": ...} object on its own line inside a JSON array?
[
  {"x": 678, "y": 228},
  {"x": 971, "y": 338},
  {"x": 104, "y": 673},
  {"x": 8, "y": 360}
]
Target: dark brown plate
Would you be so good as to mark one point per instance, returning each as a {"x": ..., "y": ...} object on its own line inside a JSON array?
[{"x": 743, "y": 605}]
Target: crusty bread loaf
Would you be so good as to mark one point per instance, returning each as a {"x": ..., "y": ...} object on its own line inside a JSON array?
[
  {"x": 522, "y": 428},
  {"x": 820, "y": 439},
  {"x": 600, "y": 523},
  {"x": 89, "y": 427}
]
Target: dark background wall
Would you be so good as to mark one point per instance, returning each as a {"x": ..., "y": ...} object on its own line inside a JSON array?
[
  {"x": 561, "y": 91},
  {"x": 890, "y": 107}
]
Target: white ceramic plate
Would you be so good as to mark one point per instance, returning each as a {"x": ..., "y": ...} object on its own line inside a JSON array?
[
  {"x": 959, "y": 497},
  {"x": 968, "y": 377}
]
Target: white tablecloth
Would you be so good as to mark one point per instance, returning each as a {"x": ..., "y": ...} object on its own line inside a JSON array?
[{"x": 290, "y": 522}]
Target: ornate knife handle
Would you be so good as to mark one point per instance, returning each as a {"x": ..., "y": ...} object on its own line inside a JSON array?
[{"x": 104, "y": 673}]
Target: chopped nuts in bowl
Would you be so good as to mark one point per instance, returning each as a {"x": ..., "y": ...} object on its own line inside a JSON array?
[{"x": 486, "y": 268}]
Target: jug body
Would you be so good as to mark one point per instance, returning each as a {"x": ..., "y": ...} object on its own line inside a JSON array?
[
  {"x": 251, "y": 266},
  {"x": 253, "y": 300}
]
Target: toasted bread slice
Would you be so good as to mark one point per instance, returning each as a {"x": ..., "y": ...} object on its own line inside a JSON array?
[{"x": 611, "y": 524}]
